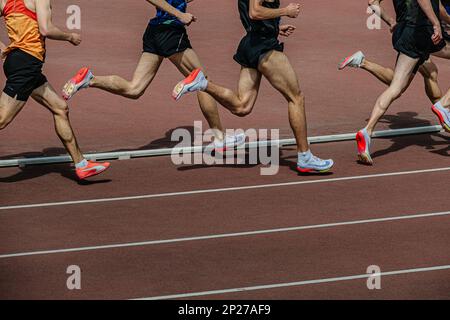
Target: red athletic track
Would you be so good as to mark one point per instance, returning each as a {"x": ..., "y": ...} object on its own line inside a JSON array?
[
  {"x": 211, "y": 264},
  {"x": 337, "y": 103}
]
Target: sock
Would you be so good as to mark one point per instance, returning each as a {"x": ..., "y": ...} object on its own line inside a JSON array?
[
  {"x": 81, "y": 164},
  {"x": 204, "y": 85},
  {"x": 304, "y": 156}
]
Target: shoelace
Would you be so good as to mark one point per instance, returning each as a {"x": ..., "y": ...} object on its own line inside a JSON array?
[{"x": 316, "y": 159}]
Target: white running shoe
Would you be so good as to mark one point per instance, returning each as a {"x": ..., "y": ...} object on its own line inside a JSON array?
[
  {"x": 353, "y": 61},
  {"x": 314, "y": 165},
  {"x": 230, "y": 142}
]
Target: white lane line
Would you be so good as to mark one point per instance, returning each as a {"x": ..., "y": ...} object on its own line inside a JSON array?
[
  {"x": 204, "y": 191},
  {"x": 293, "y": 284},
  {"x": 225, "y": 235}
]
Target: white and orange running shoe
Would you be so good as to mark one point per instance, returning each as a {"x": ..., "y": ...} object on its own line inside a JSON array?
[
  {"x": 363, "y": 141},
  {"x": 444, "y": 116},
  {"x": 353, "y": 61},
  {"x": 196, "y": 81},
  {"x": 92, "y": 169},
  {"x": 80, "y": 81}
]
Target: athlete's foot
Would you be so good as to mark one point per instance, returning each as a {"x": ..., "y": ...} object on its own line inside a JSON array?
[
  {"x": 353, "y": 61},
  {"x": 229, "y": 143},
  {"x": 443, "y": 115},
  {"x": 313, "y": 164},
  {"x": 80, "y": 81},
  {"x": 196, "y": 81},
  {"x": 91, "y": 169},
  {"x": 363, "y": 141}
]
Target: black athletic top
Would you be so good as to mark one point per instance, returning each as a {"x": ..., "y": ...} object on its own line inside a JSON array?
[
  {"x": 410, "y": 12},
  {"x": 265, "y": 27}
]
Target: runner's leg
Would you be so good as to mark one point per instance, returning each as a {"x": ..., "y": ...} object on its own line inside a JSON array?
[
  {"x": 241, "y": 103},
  {"x": 145, "y": 72},
  {"x": 276, "y": 67},
  {"x": 9, "y": 109},
  {"x": 429, "y": 71},
  {"x": 404, "y": 73},
  {"x": 46, "y": 96},
  {"x": 383, "y": 74},
  {"x": 186, "y": 62}
]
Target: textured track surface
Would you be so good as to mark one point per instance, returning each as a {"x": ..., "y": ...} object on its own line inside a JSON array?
[{"x": 121, "y": 246}]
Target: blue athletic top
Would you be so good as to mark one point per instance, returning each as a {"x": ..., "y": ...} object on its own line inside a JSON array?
[{"x": 163, "y": 17}]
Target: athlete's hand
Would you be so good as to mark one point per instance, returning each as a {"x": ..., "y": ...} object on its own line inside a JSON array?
[
  {"x": 187, "y": 18},
  {"x": 75, "y": 39},
  {"x": 437, "y": 36},
  {"x": 293, "y": 10},
  {"x": 286, "y": 30}
]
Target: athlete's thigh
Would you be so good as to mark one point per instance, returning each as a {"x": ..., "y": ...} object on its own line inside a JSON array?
[
  {"x": 9, "y": 108},
  {"x": 275, "y": 66},
  {"x": 146, "y": 69},
  {"x": 47, "y": 97},
  {"x": 404, "y": 72},
  {"x": 186, "y": 61},
  {"x": 444, "y": 53}
]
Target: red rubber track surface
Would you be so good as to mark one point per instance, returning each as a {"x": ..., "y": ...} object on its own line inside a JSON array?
[
  {"x": 232, "y": 262},
  {"x": 338, "y": 102}
]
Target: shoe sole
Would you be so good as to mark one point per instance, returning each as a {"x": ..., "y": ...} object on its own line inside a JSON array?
[
  {"x": 303, "y": 170},
  {"x": 224, "y": 149},
  {"x": 186, "y": 83},
  {"x": 441, "y": 118},
  {"x": 365, "y": 158},
  {"x": 94, "y": 174},
  {"x": 344, "y": 63},
  {"x": 86, "y": 76}
]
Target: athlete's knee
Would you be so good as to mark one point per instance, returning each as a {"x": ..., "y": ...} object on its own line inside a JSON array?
[
  {"x": 61, "y": 109},
  {"x": 242, "y": 111},
  {"x": 3, "y": 122},
  {"x": 396, "y": 92},
  {"x": 134, "y": 92},
  {"x": 298, "y": 98}
]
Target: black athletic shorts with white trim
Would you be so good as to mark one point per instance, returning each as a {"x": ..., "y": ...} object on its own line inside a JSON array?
[{"x": 166, "y": 40}]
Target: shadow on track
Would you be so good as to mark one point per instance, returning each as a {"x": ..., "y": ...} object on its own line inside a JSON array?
[
  {"x": 427, "y": 141},
  {"x": 430, "y": 142},
  {"x": 32, "y": 172}
]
